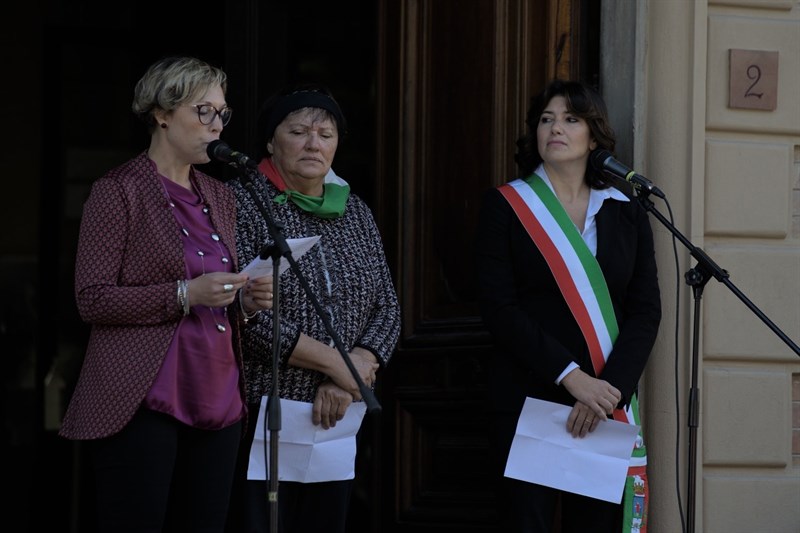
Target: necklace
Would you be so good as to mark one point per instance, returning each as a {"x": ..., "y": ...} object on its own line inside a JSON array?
[
  {"x": 192, "y": 214},
  {"x": 224, "y": 260}
]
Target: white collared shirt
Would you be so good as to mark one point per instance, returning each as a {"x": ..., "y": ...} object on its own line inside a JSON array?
[
  {"x": 589, "y": 233},
  {"x": 596, "y": 199}
]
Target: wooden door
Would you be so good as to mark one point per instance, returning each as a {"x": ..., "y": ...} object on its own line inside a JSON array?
[{"x": 454, "y": 81}]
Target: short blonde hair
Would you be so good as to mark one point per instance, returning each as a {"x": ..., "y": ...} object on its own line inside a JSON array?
[{"x": 171, "y": 82}]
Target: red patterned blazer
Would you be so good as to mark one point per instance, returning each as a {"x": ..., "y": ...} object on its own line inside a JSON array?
[{"x": 129, "y": 258}]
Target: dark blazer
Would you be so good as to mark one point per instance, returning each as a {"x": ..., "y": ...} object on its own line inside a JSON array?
[
  {"x": 129, "y": 259},
  {"x": 534, "y": 332}
]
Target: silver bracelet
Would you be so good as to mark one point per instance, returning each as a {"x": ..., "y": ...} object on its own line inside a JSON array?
[
  {"x": 180, "y": 295},
  {"x": 183, "y": 296}
]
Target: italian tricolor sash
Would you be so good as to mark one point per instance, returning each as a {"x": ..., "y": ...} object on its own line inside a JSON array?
[{"x": 583, "y": 285}]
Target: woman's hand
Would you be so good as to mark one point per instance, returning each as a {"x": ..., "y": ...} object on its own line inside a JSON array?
[
  {"x": 312, "y": 354},
  {"x": 330, "y": 404},
  {"x": 257, "y": 294},
  {"x": 215, "y": 289},
  {"x": 366, "y": 362},
  {"x": 600, "y": 396},
  {"x": 582, "y": 420}
]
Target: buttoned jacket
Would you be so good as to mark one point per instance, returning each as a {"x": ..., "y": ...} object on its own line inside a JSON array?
[{"x": 129, "y": 259}]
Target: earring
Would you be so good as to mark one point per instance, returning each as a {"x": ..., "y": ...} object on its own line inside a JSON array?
[{"x": 164, "y": 125}]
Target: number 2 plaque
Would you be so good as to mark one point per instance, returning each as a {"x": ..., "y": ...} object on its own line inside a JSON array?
[{"x": 753, "y": 79}]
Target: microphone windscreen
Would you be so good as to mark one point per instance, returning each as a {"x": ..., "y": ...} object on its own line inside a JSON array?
[
  {"x": 216, "y": 150},
  {"x": 598, "y": 159}
]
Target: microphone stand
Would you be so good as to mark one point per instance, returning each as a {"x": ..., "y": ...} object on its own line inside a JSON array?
[
  {"x": 280, "y": 248},
  {"x": 697, "y": 278}
]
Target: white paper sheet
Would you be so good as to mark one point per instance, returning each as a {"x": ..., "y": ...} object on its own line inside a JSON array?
[
  {"x": 263, "y": 267},
  {"x": 307, "y": 453},
  {"x": 544, "y": 452}
]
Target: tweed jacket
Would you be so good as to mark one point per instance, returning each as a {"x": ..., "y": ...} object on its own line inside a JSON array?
[
  {"x": 347, "y": 272},
  {"x": 535, "y": 334},
  {"x": 129, "y": 258}
]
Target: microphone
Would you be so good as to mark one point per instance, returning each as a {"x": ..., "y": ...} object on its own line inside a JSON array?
[
  {"x": 219, "y": 150},
  {"x": 603, "y": 161}
]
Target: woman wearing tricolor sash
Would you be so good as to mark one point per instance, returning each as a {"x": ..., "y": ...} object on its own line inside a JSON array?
[{"x": 569, "y": 291}]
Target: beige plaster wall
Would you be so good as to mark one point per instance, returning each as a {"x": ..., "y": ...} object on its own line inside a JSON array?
[{"x": 732, "y": 178}]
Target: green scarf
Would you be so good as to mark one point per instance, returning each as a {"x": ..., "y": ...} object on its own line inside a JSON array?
[{"x": 331, "y": 204}]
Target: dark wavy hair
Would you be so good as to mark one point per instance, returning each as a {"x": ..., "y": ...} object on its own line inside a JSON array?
[{"x": 582, "y": 101}]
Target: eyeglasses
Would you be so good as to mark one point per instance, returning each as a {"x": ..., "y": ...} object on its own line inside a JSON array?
[{"x": 207, "y": 113}]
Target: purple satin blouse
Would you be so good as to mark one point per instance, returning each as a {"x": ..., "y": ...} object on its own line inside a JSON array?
[{"x": 199, "y": 381}]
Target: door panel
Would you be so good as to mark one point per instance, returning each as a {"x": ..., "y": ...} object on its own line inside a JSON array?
[{"x": 454, "y": 83}]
